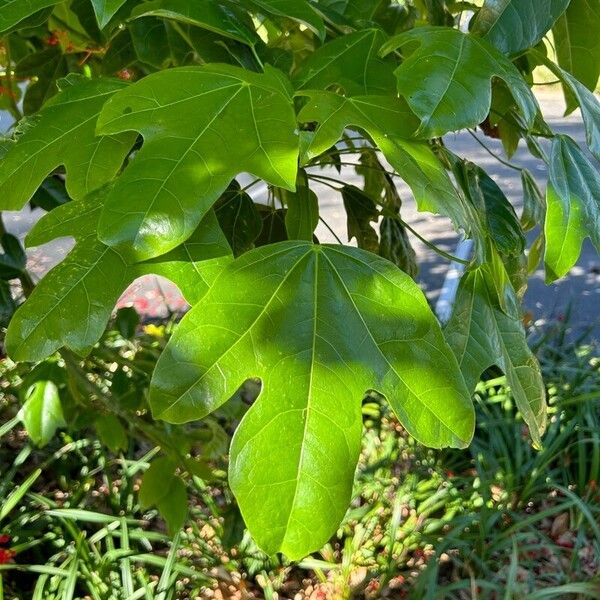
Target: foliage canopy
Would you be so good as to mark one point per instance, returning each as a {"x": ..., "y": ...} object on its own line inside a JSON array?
[{"x": 134, "y": 119}]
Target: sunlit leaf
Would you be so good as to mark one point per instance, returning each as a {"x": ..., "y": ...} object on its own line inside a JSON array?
[
  {"x": 457, "y": 69},
  {"x": 72, "y": 304},
  {"x": 482, "y": 335},
  {"x": 202, "y": 126},
  {"x": 351, "y": 62},
  {"x": 573, "y": 206},
  {"x": 12, "y": 12},
  {"x": 42, "y": 412},
  {"x": 320, "y": 325},
  {"x": 63, "y": 133}
]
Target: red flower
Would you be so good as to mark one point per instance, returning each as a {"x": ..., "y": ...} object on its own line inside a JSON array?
[
  {"x": 4, "y": 539},
  {"x": 6, "y": 556}
]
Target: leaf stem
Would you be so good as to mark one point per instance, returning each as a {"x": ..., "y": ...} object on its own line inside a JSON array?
[{"x": 493, "y": 154}]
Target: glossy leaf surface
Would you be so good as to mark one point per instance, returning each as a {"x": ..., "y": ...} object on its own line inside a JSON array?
[
  {"x": 299, "y": 10},
  {"x": 72, "y": 304},
  {"x": 578, "y": 43},
  {"x": 514, "y": 25},
  {"x": 12, "y": 12},
  {"x": 573, "y": 206},
  {"x": 42, "y": 412},
  {"x": 482, "y": 335},
  {"x": 320, "y": 325},
  {"x": 391, "y": 125},
  {"x": 105, "y": 10},
  {"x": 458, "y": 69},
  {"x": 351, "y": 62},
  {"x": 201, "y": 127},
  {"x": 63, "y": 133},
  {"x": 202, "y": 13}
]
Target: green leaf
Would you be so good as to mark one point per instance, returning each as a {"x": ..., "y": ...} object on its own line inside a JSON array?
[
  {"x": 497, "y": 216},
  {"x": 573, "y": 206},
  {"x": 514, "y": 25},
  {"x": 298, "y": 10},
  {"x": 173, "y": 508},
  {"x": 319, "y": 325},
  {"x": 12, "y": 12},
  {"x": 111, "y": 433},
  {"x": 208, "y": 14},
  {"x": 578, "y": 94},
  {"x": 396, "y": 247},
  {"x": 44, "y": 69},
  {"x": 361, "y": 211},
  {"x": 302, "y": 216},
  {"x": 482, "y": 335},
  {"x": 156, "y": 481},
  {"x": 105, "y": 10},
  {"x": 156, "y": 43},
  {"x": 239, "y": 218},
  {"x": 458, "y": 68},
  {"x": 63, "y": 133},
  {"x": 127, "y": 322},
  {"x": 534, "y": 205},
  {"x": 12, "y": 259},
  {"x": 202, "y": 126},
  {"x": 163, "y": 489},
  {"x": 578, "y": 44},
  {"x": 72, "y": 304},
  {"x": 42, "y": 412},
  {"x": 390, "y": 124},
  {"x": 351, "y": 62}
]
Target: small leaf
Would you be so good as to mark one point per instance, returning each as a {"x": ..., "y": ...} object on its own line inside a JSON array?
[
  {"x": 302, "y": 216},
  {"x": 298, "y": 10},
  {"x": 458, "y": 69},
  {"x": 243, "y": 121},
  {"x": 239, "y": 218},
  {"x": 395, "y": 246},
  {"x": 356, "y": 323},
  {"x": 12, "y": 12},
  {"x": 497, "y": 216},
  {"x": 173, "y": 508},
  {"x": 63, "y": 133},
  {"x": 351, "y": 62},
  {"x": 105, "y": 10},
  {"x": 127, "y": 321},
  {"x": 578, "y": 44},
  {"x": 573, "y": 206},
  {"x": 13, "y": 259},
  {"x": 44, "y": 69},
  {"x": 156, "y": 481},
  {"x": 482, "y": 334},
  {"x": 208, "y": 14},
  {"x": 361, "y": 212},
  {"x": 514, "y": 25},
  {"x": 111, "y": 433},
  {"x": 534, "y": 206},
  {"x": 42, "y": 412}
]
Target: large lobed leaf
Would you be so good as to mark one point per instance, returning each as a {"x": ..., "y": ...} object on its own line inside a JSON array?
[
  {"x": 201, "y": 126},
  {"x": 63, "y": 134},
  {"x": 72, "y": 304},
  {"x": 320, "y": 325},
  {"x": 447, "y": 80}
]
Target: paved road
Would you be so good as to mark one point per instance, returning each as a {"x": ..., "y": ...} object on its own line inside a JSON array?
[{"x": 581, "y": 289}]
